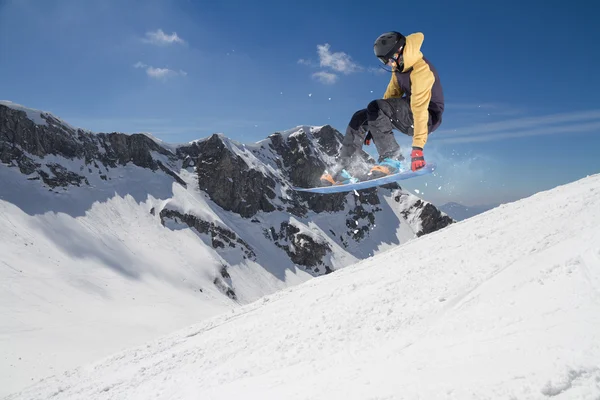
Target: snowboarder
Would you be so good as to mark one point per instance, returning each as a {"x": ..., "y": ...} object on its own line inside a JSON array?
[{"x": 413, "y": 103}]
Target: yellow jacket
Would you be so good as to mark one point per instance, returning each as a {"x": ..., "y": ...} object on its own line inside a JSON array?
[{"x": 417, "y": 80}]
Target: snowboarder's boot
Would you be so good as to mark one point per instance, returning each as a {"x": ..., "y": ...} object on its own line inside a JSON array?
[
  {"x": 387, "y": 166},
  {"x": 343, "y": 177}
]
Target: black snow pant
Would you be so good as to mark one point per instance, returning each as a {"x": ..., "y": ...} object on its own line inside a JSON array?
[{"x": 379, "y": 118}]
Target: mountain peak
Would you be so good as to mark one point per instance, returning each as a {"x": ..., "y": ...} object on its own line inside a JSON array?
[{"x": 41, "y": 118}]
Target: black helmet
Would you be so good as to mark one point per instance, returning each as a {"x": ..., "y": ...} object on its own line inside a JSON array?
[{"x": 387, "y": 45}]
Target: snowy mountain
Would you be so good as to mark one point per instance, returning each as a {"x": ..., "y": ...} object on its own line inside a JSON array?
[
  {"x": 108, "y": 240},
  {"x": 460, "y": 212},
  {"x": 504, "y": 305}
]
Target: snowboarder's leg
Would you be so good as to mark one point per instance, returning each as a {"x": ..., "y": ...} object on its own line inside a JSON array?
[
  {"x": 355, "y": 135},
  {"x": 350, "y": 161},
  {"x": 383, "y": 115}
]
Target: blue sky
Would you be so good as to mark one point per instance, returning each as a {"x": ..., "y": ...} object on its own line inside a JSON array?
[{"x": 522, "y": 109}]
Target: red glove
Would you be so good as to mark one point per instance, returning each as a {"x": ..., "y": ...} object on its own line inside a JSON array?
[{"x": 417, "y": 159}]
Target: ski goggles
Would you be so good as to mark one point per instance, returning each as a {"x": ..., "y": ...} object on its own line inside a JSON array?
[{"x": 394, "y": 55}]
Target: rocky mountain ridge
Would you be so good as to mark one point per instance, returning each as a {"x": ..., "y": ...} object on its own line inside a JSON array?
[{"x": 252, "y": 181}]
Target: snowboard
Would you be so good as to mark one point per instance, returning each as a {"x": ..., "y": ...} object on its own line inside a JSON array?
[{"x": 427, "y": 169}]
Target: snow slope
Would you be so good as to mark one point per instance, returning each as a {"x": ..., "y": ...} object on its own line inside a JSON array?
[
  {"x": 85, "y": 272},
  {"x": 88, "y": 271},
  {"x": 503, "y": 305}
]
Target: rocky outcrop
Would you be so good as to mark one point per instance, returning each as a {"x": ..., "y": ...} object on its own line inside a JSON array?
[
  {"x": 61, "y": 177},
  {"x": 25, "y": 144},
  {"x": 225, "y": 288},
  {"x": 301, "y": 248},
  {"x": 431, "y": 219},
  {"x": 19, "y": 134},
  {"x": 229, "y": 180},
  {"x": 360, "y": 221},
  {"x": 329, "y": 140},
  {"x": 220, "y": 237},
  {"x": 302, "y": 165},
  {"x": 224, "y": 284}
]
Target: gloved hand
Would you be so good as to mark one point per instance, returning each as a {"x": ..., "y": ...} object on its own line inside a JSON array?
[{"x": 417, "y": 161}]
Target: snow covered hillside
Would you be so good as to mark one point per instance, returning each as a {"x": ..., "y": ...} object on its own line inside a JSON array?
[
  {"x": 505, "y": 305},
  {"x": 110, "y": 240}
]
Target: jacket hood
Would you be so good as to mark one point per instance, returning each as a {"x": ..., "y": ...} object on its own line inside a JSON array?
[{"x": 412, "y": 50}]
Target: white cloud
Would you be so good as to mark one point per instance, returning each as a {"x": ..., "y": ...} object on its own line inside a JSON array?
[
  {"x": 160, "y": 38},
  {"x": 576, "y": 122},
  {"x": 471, "y": 106},
  {"x": 551, "y": 130},
  {"x": 479, "y": 109},
  {"x": 305, "y": 62},
  {"x": 338, "y": 61},
  {"x": 528, "y": 122},
  {"x": 325, "y": 77},
  {"x": 159, "y": 73}
]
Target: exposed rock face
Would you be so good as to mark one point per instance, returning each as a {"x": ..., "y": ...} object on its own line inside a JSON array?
[
  {"x": 300, "y": 247},
  {"x": 220, "y": 237},
  {"x": 225, "y": 288},
  {"x": 329, "y": 140},
  {"x": 303, "y": 166},
  {"x": 229, "y": 180},
  {"x": 21, "y": 138},
  {"x": 359, "y": 214},
  {"x": 62, "y": 177},
  {"x": 431, "y": 218}
]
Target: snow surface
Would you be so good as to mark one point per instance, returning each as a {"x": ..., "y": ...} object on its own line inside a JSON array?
[
  {"x": 88, "y": 271},
  {"x": 505, "y": 305}
]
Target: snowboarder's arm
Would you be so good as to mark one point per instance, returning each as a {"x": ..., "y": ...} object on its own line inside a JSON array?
[
  {"x": 393, "y": 88},
  {"x": 422, "y": 80}
]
